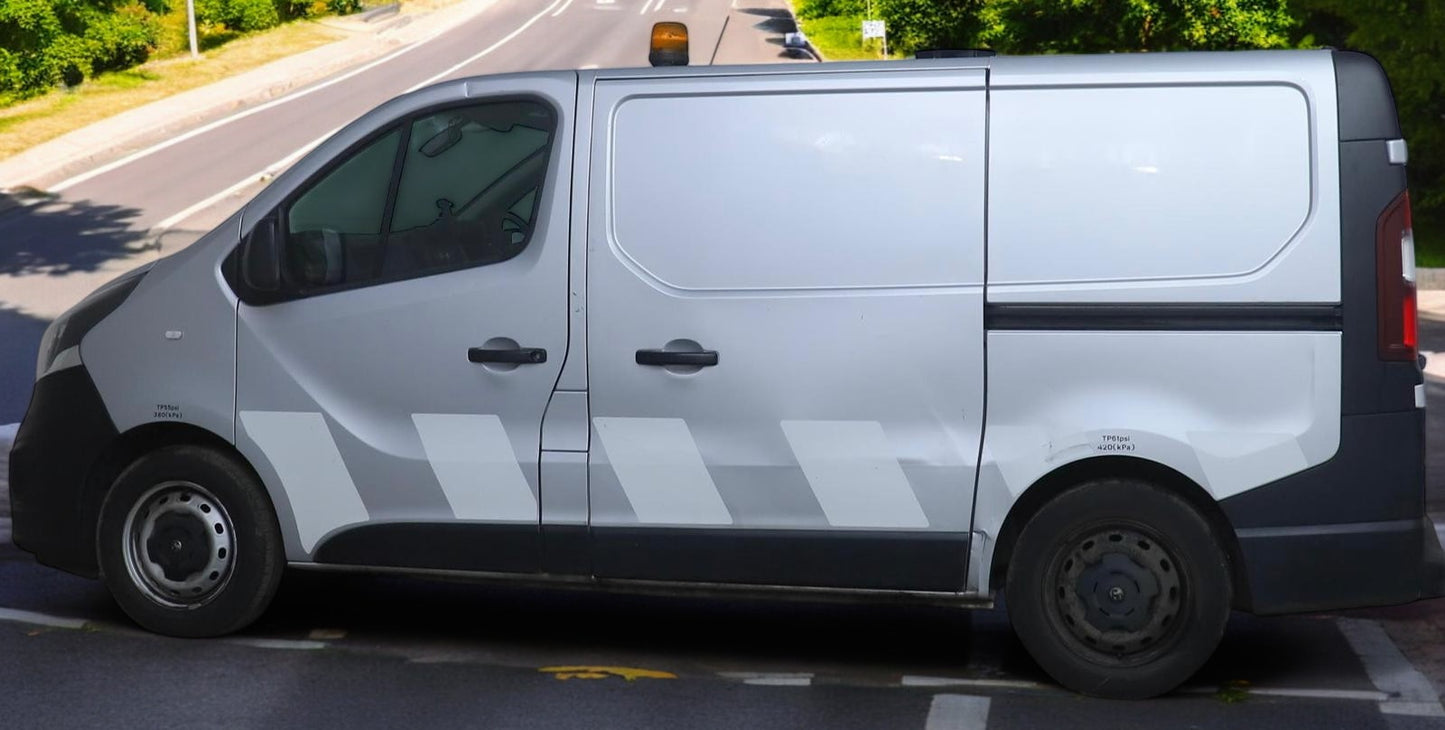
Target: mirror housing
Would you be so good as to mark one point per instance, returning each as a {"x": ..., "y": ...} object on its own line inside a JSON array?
[{"x": 261, "y": 257}]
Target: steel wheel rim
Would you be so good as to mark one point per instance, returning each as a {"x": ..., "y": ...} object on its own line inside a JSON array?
[
  {"x": 179, "y": 545},
  {"x": 1097, "y": 576}
]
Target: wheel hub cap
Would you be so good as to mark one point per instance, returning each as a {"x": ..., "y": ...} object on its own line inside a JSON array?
[
  {"x": 179, "y": 545},
  {"x": 1117, "y": 592}
]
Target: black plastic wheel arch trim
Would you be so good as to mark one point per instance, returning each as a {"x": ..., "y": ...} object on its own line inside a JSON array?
[{"x": 65, "y": 432}]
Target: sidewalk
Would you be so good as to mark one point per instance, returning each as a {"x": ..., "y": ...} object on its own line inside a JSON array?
[{"x": 90, "y": 146}]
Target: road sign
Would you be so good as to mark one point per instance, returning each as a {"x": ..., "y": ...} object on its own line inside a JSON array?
[{"x": 873, "y": 29}]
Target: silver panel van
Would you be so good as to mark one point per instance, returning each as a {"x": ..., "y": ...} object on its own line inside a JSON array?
[{"x": 1127, "y": 340}]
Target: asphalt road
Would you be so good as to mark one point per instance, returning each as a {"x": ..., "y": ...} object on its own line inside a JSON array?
[{"x": 365, "y": 651}]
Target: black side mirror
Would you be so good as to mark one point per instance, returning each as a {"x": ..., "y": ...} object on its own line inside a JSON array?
[{"x": 261, "y": 257}]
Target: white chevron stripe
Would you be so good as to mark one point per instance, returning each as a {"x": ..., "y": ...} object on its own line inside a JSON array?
[
  {"x": 661, "y": 471},
  {"x": 301, "y": 450},
  {"x": 854, "y": 473},
  {"x": 476, "y": 466}
]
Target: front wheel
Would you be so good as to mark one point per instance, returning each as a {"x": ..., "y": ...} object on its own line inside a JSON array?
[
  {"x": 188, "y": 543},
  {"x": 1119, "y": 589}
]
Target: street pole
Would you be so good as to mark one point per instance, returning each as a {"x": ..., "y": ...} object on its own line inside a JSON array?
[{"x": 191, "y": 26}]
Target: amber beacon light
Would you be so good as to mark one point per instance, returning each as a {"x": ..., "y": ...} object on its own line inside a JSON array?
[{"x": 669, "y": 45}]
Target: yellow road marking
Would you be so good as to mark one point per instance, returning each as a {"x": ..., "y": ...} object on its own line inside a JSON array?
[{"x": 594, "y": 672}]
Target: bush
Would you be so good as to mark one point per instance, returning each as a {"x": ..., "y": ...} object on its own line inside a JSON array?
[
  {"x": 1067, "y": 26},
  {"x": 919, "y": 24},
  {"x": 820, "y": 8},
  {"x": 122, "y": 39},
  {"x": 238, "y": 15},
  {"x": 68, "y": 60},
  {"x": 246, "y": 15}
]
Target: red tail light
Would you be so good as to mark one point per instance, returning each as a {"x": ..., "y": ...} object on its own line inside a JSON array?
[{"x": 1395, "y": 282}]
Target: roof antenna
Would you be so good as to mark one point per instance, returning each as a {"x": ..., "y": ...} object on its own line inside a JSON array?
[{"x": 720, "y": 35}]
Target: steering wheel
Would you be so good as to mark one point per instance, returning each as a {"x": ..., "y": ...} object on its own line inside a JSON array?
[{"x": 513, "y": 223}]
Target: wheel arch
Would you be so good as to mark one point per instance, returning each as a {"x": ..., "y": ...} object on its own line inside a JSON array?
[
  {"x": 1064, "y": 478},
  {"x": 132, "y": 445}
]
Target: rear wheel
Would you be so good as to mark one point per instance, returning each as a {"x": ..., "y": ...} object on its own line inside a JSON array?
[
  {"x": 188, "y": 543},
  {"x": 1119, "y": 589}
]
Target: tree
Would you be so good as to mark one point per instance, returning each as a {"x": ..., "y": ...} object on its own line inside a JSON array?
[
  {"x": 1088, "y": 26},
  {"x": 1408, "y": 38},
  {"x": 920, "y": 24}
]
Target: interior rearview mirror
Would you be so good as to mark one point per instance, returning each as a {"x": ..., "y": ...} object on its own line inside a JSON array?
[
  {"x": 261, "y": 257},
  {"x": 443, "y": 140}
]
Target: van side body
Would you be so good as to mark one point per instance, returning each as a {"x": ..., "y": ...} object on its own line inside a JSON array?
[{"x": 846, "y": 330}]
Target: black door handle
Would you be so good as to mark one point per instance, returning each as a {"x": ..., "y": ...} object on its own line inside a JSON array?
[
  {"x": 705, "y": 358},
  {"x": 518, "y": 356}
]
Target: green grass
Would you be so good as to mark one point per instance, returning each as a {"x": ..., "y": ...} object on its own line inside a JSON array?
[
  {"x": 840, "y": 38},
  {"x": 1430, "y": 243}
]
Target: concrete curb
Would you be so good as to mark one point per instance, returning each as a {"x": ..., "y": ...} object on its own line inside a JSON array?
[{"x": 85, "y": 148}]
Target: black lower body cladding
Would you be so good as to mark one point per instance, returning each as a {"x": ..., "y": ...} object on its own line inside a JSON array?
[
  {"x": 1350, "y": 532},
  {"x": 64, "y": 433}
]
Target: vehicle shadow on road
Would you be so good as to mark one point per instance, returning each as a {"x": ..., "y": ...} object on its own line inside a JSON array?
[
  {"x": 58, "y": 237},
  {"x": 864, "y": 643},
  {"x": 561, "y": 626}
]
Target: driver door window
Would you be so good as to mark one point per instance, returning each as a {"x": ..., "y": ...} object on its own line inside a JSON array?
[{"x": 466, "y": 185}]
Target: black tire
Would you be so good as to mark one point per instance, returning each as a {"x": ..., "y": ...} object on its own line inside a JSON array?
[
  {"x": 1119, "y": 589},
  {"x": 211, "y": 524}
]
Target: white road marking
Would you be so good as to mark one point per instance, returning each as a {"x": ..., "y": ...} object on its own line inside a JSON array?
[
  {"x": 957, "y": 712},
  {"x": 41, "y": 619},
  {"x": 251, "y": 179},
  {"x": 1410, "y": 692},
  {"x": 313, "y": 475},
  {"x": 1434, "y": 365},
  {"x": 771, "y": 679},
  {"x": 260, "y": 643},
  {"x": 923, "y": 681},
  {"x": 1360, "y": 695},
  {"x": 78, "y": 179},
  {"x": 562, "y": 9},
  {"x": 587, "y": 66},
  {"x": 172, "y": 220},
  {"x": 473, "y": 460},
  {"x": 490, "y": 48}
]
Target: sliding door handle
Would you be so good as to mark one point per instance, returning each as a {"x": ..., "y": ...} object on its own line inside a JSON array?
[
  {"x": 705, "y": 358},
  {"x": 515, "y": 356}
]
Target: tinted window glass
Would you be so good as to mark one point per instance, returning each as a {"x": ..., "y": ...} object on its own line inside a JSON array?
[
  {"x": 469, "y": 186},
  {"x": 466, "y": 193},
  {"x": 335, "y": 227}
]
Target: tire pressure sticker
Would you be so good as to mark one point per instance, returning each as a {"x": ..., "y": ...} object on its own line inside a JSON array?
[
  {"x": 167, "y": 412},
  {"x": 1113, "y": 443}
]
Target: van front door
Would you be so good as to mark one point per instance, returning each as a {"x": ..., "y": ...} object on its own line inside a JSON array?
[
  {"x": 785, "y": 328},
  {"x": 395, "y": 391}
]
